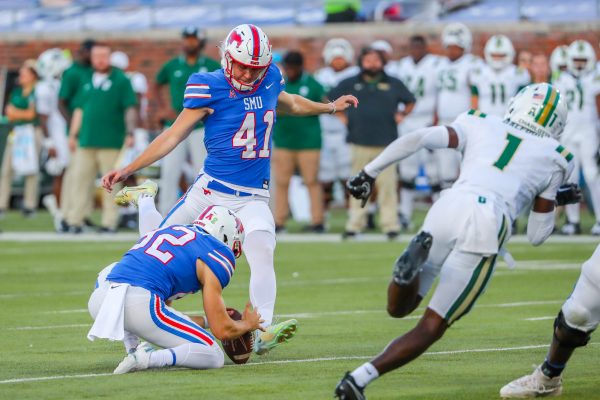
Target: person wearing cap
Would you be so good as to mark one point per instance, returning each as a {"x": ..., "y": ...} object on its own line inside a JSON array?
[
  {"x": 174, "y": 75},
  {"x": 22, "y": 150},
  {"x": 297, "y": 145},
  {"x": 104, "y": 118},
  {"x": 371, "y": 128},
  {"x": 387, "y": 50}
]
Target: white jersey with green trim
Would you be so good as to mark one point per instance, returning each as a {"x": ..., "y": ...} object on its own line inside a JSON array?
[
  {"x": 421, "y": 79},
  {"x": 454, "y": 86},
  {"x": 510, "y": 165},
  {"x": 580, "y": 95},
  {"x": 494, "y": 88}
]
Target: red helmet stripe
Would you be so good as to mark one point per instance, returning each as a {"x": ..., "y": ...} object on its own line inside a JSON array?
[{"x": 256, "y": 42}]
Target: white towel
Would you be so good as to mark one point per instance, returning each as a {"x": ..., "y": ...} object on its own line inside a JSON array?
[
  {"x": 479, "y": 233},
  {"x": 109, "y": 323}
]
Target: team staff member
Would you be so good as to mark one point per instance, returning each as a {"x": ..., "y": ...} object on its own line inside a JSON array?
[
  {"x": 298, "y": 145},
  {"x": 371, "y": 127},
  {"x": 105, "y": 114},
  {"x": 21, "y": 112},
  {"x": 174, "y": 75},
  {"x": 71, "y": 81}
]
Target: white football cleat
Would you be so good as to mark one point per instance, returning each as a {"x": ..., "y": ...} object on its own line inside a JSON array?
[
  {"x": 136, "y": 361},
  {"x": 130, "y": 195},
  {"x": 596, "y": 229},
  {"x": 535, "y": 385}
]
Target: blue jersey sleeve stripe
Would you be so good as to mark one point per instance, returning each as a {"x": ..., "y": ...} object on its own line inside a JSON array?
[
  {"x": 231, "y": 264},
  {"x": 225, "y": 266}
]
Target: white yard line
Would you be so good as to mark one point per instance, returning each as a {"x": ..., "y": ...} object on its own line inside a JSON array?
[
  {"x": 539, "y": 318},
  {"x": 284, "y": 238},
  {"x": 300, "y": 361}
]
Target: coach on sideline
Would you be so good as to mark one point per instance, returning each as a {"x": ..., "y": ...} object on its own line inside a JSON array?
[
  {"x": 105, "y": 115},
  {"x": 371, "y": 128}
]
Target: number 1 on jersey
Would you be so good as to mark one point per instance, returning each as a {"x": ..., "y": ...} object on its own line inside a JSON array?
[
  {"x": 246, "y": 136},
  {"x": 508, "y": 152}
]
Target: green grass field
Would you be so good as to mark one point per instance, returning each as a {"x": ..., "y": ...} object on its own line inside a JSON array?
[{"x": 338, "y": 296}]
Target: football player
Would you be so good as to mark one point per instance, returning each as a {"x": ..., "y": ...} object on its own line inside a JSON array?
[
  {"x": 338, "y": 55},
  {"x": 558, "y": 60},
  {"x": 518, "y": 161},
  {"x": 454, "y": 93},
  {"x": 496, "y": 82},
  {"x": 576, "y": 320},
  {"x": 50, "y": 66},
  {"x": 133, "y": 296},
  {"x": 418, "y": 71},
  {"x": 237, "y": 105},
  {"x": 580, "y": 85}
]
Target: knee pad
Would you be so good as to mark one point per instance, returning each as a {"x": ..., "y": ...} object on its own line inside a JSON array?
[
  {"x": 568, "y": 336},
  {"x": 410, "y": 263}
]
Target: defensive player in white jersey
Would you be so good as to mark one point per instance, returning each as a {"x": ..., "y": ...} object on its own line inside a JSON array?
[
  {"x": 454, "y": 92},
  {"x": 580, "y": 86},
  {"x": 496, "y": 82},
  {"x": 507, "y": 165},
  {"x": 578, "y": 317},
  {"x": 418, "y": 71},
  {"x": 237, "y": 105},
  {"x": 50, "y": 66},
  {"x": 338, "y": 55}
]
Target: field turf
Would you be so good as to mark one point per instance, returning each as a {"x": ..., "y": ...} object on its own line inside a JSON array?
[{"x": 337, "y": 292}]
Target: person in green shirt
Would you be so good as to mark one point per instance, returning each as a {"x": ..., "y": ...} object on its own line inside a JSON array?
[
  {"x": 172, "y": 77},
  {"x": 71, "y": 81},
  {"x": 104, "y": 117},
  {"x": 298, "y": 146},
  {"x": 20, "y": 112}
]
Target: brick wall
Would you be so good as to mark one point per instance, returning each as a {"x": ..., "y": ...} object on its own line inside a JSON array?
[{"x": 148, "y": 54}]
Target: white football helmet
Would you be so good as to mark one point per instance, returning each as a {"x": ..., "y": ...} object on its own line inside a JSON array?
[
  {"x": 558, "y": 58},
  {"x": 223, "y": 224},
  {"x": 119, "y": 59},
  {"x": 52, "y": 62},
  {"x": 457, "y": 34},
  {"x": 539, "y": 109},
  {"x": 499, "y": 52},
  {"x": 581, "y": 58},
  {"x": 338, "y": 47},
  {"x": 247, "y": 45}
]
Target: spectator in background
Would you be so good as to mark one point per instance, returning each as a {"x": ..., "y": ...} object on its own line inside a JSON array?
[
  {"x": 372, "y": 126},
  {"x": 104, "y": 117},
  {"x": 174, "y": 75},
  {"x": 72, "y": 80},
  {"x": 334, "y": 165},
  {"x": 297, "y": 145},
  {"x": 21, "y": 155},
  {"x": 387, "y": 50},
  {"x": 342, "y": 10},
  {"x": 141, "y": 138},
  {"x": 540, "y": 69}
]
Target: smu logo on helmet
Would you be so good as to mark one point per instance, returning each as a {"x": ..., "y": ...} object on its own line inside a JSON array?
[{"x": 236, "y": 38}]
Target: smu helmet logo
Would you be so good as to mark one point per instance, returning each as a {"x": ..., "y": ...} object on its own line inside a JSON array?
[{"x": 235, "y": 37}]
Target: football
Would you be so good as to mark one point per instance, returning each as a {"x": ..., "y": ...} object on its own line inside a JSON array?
[{"x": 238, "y": 350}]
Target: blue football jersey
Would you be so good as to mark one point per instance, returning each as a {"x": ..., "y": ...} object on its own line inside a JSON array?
[
  {"x": 238, "y": 134},
  {"x": 164, "y": 261}
]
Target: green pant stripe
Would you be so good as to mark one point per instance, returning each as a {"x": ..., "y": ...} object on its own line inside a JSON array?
[{"x": 476, "y": 286}]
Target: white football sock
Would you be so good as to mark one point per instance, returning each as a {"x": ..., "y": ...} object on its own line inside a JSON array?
[
  {"x": 365, "y": 374},
  {"x": 149, "y": 217},
  {"x": 130, "y": 341},
  {"x": 594, "y": 188},
  {"x": 259, "y": 248},
  {"x": 407, "y": 200},
  {"x": 573, "y": 213},
  {"x": 189, "y": 355}
]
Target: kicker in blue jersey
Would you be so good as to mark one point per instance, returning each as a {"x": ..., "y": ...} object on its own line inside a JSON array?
[
  {"x": 238, "y": 132},
  {"x": 164, "y": 261}
]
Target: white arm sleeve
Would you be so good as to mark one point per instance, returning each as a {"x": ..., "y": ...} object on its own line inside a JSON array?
[
  {"x": 539, "y": 227},
  {"x": 435, "y": 137}
]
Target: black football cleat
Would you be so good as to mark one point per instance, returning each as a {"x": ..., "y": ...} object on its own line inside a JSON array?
[
  {"x": 347, "y": 389},
  {"x": 410, "y": 263}
]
